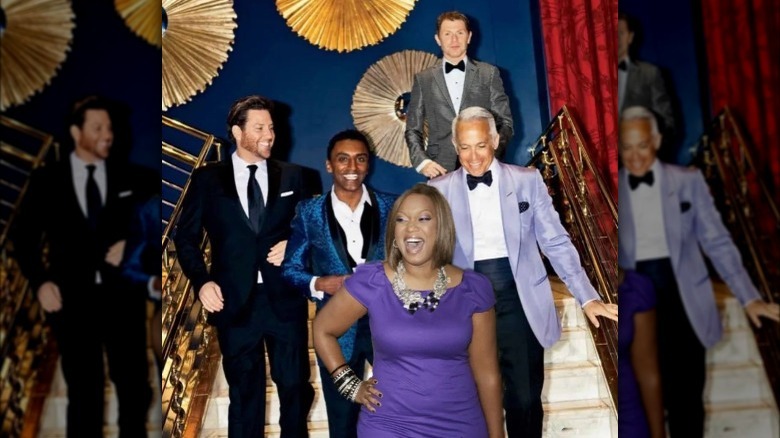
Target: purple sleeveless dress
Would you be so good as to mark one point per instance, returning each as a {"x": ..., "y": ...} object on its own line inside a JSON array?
[
  {"x": 635, "y": 294},
  {"x": 421, "y": 361}
]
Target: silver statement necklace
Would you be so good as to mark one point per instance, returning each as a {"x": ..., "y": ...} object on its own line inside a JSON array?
[{"x": 413, "y": 300}]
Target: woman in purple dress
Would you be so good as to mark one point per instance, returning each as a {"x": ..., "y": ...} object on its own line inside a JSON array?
[
  {"x": 433, "y": 327},
  {"x": 640, "y": 407}
]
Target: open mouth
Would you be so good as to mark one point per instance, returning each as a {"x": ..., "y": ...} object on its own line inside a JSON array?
[
  {"x": 414, "y": 245},
  {"x": 351, "y": 177}
]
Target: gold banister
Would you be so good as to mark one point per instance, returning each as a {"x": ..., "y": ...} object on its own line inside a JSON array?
[
  {"x": 750, "y": 213},
  {"x": 589, "y": 214},
  {"x": 24, "y": 338},
  {"x": 190, "y": 353}
]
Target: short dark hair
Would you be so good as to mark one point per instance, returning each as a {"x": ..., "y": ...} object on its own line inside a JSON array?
[
  {"x": 630, "y": 21},
  {"x": 453, "y": 16},
  {"x": 347, "y": 134},
  {"x": 238, "y": 111},
  {"x": 444, "y": 247},
  {"x": 92, "y": 102}
]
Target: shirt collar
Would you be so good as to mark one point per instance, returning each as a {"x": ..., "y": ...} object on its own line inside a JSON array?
[
  {"x": 240, "y": 165},
  {"x": 77, "y": 162},
  {"x": 363, "y": 198}
]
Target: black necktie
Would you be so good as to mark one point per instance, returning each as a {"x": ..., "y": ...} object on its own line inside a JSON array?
[
  {"x": 623, "y": 66},
  {"x": 634, "y": 181},
  {"x": 94, "y": 204},
  {"x": 486, "y": 178},
  {"x": 460, "y": 66},
  {"x": 255, "y": 198}
]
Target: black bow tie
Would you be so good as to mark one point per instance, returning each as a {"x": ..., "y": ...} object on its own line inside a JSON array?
[
  {"x": 472, "y": 181},
  {"x": 623, "y": 65},
  {"x": 460, "y": 66},
  {"x": 634, "y": 181}
]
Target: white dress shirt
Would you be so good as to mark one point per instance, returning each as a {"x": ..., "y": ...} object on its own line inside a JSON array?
[
  {"x": 80, "y": 173},
  {"x": 647, "y": 209},
  {"x": 241, "y": 177},
  {"x": 487, "y": 224},
  {"x": 455, "y": 79},
  {"x": 349, "y": 221}
]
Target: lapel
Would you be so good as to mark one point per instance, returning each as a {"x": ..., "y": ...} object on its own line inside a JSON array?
[
  {"x": 336, "y": 233},
  {"x": 459, "y": 201},
  {"x": 274, "y": 183},
  {"x": 438, "y": 78},
  {"x": 372, "y": 234},
  {"x": 633, "y": 71},
  {"x": 671, "y": 212},
  {"x": 65, "y": 175},
  {"x": 626, "y": 231},
  {"x": 469, "y": 83},
  {"x": 228, "y": 182},
  {"x": 510, "y": 214}
]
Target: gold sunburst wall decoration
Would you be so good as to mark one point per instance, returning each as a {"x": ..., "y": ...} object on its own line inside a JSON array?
[
  {"x": 380, "y": 100},
  {"x": 196, "y": 38},
  {"x": 143, "y": 17},
  {"x": 35, "y": 36},
  {"x": 344, "y": 25}
]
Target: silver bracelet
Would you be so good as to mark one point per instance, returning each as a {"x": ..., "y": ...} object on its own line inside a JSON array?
[{"x": 347, "y": 383}]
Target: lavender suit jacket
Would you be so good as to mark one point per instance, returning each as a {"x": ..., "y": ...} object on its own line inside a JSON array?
[
  {"x": 529, "y": 219},
  {"x": 690, "y": 221}
]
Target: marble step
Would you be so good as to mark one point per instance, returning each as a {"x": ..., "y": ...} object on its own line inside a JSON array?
[
  {"x": 582, "y": 419},
  {"x": 744, "y": 383},
  {"x": 726, "y": 420},
  {"x": 576, "y": 381}
]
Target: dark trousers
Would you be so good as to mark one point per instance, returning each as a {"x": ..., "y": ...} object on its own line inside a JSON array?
[
  {"x": 243, "y": 347},
  {"x": 682, "y": 379},
  {"x": 342, "y": 413},
  {"x": 520, "y": 355},
  {"x": 118, "y": 328}
]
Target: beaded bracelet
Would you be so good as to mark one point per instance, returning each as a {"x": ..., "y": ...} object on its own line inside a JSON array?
[{"x": 347, "y": 383}]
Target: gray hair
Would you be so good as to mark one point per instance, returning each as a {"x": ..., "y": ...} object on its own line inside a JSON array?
[
  {"x": 474, "y": 113},
  {"x": 640, "y": 113}
]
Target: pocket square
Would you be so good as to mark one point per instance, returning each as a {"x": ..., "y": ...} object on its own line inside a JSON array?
[
  {"x": 125, "y": 194},
  {"x": 523, "y": 206},
  {"x": 685, "y": 206},
  {"x": 285, "y": 194}
]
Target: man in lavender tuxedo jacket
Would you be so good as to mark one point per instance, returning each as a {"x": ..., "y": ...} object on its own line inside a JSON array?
[
  {"x": 666, "y": 214},
  {"x": 504, "y": 248}
]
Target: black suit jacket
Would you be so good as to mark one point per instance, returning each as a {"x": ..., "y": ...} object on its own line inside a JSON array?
[
  {"x": 50, "y": 210},
  {"x": 645, "y": 87},
  {"x": 237, "y": 253}
]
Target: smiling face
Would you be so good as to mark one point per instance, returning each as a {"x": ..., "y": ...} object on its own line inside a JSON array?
[
  {"x": 475, "y": 146},
  {"x": 348, "y": 163},
  {"x": 93, "y": 139},
  {"x": 454, "y": 39},
  {"x": 256, "y": 138},
  {"x": 416, "y": 230},
  {"x": 638, "y": 146}
]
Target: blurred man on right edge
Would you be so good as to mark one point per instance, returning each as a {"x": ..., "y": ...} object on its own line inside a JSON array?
[{"x": 666, "y": 213}]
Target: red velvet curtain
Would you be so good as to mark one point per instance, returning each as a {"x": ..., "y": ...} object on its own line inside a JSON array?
[
  {"x": 580, "y": 48},
  {"x": 743, "y": 53}
]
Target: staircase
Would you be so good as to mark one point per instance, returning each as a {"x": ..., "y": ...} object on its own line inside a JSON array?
[
  {"x": 738, "y": 397},
  {"x": 575, "y": 395}
]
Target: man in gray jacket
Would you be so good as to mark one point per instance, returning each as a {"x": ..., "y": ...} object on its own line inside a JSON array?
[{"x": 439, "y": 92}]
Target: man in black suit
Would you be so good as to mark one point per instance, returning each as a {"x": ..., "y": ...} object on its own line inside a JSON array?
[
  {"x": 81, "y": 206},
  {"x": 246, "y": 205},
  {"x": 640, "y": 83},
  {"x": 441, "y": 91}
]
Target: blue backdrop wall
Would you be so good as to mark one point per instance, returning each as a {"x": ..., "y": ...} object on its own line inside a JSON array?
[
  {"x": 316, "y": 85},
  {"x": 106, "y": 58},
  {"x": 673, "y": 42}
]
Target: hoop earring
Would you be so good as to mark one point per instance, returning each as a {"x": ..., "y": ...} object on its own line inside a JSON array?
[{"x": 394, "y": 245}]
